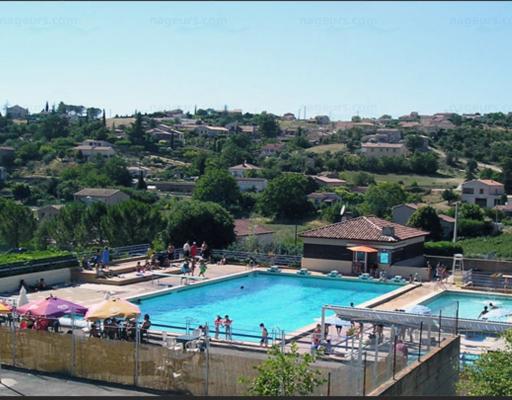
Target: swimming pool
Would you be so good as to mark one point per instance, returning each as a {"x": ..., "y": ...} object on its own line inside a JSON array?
[
  {"x": 470, "y": 305},
  {"x": 285, "y": 302}
]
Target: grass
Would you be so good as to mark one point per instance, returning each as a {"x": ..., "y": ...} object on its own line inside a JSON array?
[
  {"x": 283, "y": 229},
  {"x": 499, "y": 246},
  {"x": 30, "y": 256},
  {"x": 440, "y": 181},
  {"x": 334, "y": 147}
]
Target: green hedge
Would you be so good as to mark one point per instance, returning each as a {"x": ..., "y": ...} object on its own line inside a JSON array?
[
  {"x": 12, "y": 258},
  {"x": 442, "y": 248}
]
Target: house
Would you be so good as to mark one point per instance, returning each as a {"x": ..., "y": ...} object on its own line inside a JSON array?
[
  {"x": 47, "y": 212},
  {"x": 211, "y": 131},
  {"x": 483, "y": 192},
  {"x": 91, "y": 148},
  {"x": 6, "y": 151},
  {"x": 378, "y": 150},
  {"x": 355, "y": 244},
  {"x": 107, "y": 196},
  {"x": 166, "y": 133},
  {"x": 240, "y": 170},
  {"x": 136, "y": 171},
  {"x": 319, "y": 198},
  {"x": 402, "y": 212},
  {"x": 17, "y": 112},
  {"x": 247, "y": 184},
  {"x": 245, "y": 229},
  {"x": 271, "y": 149},
  {"x": 327, "y": 181}
]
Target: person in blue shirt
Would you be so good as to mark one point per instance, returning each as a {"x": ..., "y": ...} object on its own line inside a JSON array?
[{"x": 105, "y": 257}]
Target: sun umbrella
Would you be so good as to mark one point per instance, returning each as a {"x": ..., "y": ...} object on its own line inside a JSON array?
[
  {"x": 51, "y": 307},
  {"x": 112, "y": 308},
  {"x": 418, "y": 309},
  {"x": 22, "y": 297},
  {"x": 4, "y": 308}
]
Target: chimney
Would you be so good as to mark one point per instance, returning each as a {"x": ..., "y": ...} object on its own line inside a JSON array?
[{"x": 388, "y": 231}]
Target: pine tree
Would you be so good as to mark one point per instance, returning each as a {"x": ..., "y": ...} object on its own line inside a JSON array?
[{"x": 104, "y": 119}]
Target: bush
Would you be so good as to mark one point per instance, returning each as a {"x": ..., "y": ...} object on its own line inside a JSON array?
[
  {"x": 474, "y": 228},
  {"x": 442, "y": 248}
]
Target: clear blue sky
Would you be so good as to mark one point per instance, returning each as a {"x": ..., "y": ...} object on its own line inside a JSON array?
[{"x": 335, "y": 58}]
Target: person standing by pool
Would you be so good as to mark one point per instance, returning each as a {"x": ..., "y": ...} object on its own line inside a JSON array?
[
  {"x": 105, "y": 256},
  {"x": 401, "y": 349},
  {"x": 227, "y": 326},
  {"x": 202, "y": 268},
  {"x": 218, "y": 324},
  {"x": 315, "y": 339},
  {"x": 193, "y": 250},
  {"x": 186, "y": 249},
  {"x": 264, "y": 335}
]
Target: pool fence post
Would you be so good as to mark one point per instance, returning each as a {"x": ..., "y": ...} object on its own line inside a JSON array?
[
  {"x": 323, "y": 323},
  {"x": 419, "y": 344},
  {"x": 376, "y": 360},
  {"x": 73, "y": 343},
  {"x": 13, "y": 339},
  {"x": 283, "y": 341},
  {"x": 137, "y": 343},
  {"x": 439, "y": 335},
  {"x": 394, "y": 355},
  {"x": 364, "y": 374},
  {"x": 429, "y": 331},
  {"x": 457, "y": 319},
  {"x": 207, "y": 360}
]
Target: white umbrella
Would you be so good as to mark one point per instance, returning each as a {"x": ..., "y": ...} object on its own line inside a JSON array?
[
  {"x": 418, "y": 309},
  {"x": 22, "y": 297},
  {"x": 107, "y": 295}
]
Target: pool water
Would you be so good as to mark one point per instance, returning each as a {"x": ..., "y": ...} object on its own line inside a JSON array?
[
  {"x": 284, "y": 302},
  {"x": 470, "y": 305}
]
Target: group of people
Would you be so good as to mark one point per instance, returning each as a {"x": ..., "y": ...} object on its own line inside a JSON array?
[
  {"x": 486, "y": 310},
  {"x": 117, "y": 329},
  {"x": 439, "y": 273},
  {"x": 225, "y": 322},
  {"x": 39, "y": 323},
  {"x": 192, "y": 251},
  {"x": 39, "y": 286},
  {"x": 189, "y": 266}
]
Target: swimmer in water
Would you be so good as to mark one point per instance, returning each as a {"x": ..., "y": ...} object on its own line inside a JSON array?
[
  {"x": 485, "y": 311},
  {"x": 492, "y": 306},
  {"x": 241, "y": 287}
]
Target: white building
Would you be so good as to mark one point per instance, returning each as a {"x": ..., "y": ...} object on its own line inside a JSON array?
[
  {"x": 378, "y": 150},
  {"x": 211, "y": 131},
  {"x": 247, "y": 184},
  {"x": 240, "y": 170},
  {"x": 483, "y": 192}
]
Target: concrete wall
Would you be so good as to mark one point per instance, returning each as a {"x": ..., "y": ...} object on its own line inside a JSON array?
[
  {"x": 474, "y": 263},
  {"x": 51, "y": 277},
  {"x": 158, "y": 368},
  {"x": 436, "y": 375}
]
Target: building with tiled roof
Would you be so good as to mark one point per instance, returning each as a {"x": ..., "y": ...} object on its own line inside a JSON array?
[
  {"x": 483, "y": 192},
  {"x": 107, "y": 196},
  {"x": 365, "y": 244},
  {"x": 402, "y": 212},
  {"x": 245, "y": 229}
]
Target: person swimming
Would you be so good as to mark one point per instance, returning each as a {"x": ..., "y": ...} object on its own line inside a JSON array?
[
  {"x": 484, "y": 311},
  {"x": 492, "y": 306},
  {"x": 241, "y": 287}
]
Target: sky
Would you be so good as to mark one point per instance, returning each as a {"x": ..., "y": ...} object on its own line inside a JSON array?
[{"x": 334, "y": 58}]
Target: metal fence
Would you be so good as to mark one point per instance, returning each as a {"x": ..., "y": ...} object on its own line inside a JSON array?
[{"x": 270, "y": 259}]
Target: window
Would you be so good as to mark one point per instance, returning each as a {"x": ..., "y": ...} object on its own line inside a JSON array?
[
  {"x": 468, "y": 190},
  {"x": 360, "y": 256},
  {"x": 383, "y": 257},
  {"x": 481, "y": 191}
]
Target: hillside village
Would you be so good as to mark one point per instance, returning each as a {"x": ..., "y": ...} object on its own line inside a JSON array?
[{"x": 271, "y": 171}]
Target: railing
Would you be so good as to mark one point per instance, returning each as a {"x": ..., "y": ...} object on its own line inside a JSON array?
[
  {"x": 242, "y": 256},
  {"x": 483, "y": 280}
]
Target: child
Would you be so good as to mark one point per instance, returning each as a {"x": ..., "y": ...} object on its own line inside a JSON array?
[{"x": 202, "y": 268}]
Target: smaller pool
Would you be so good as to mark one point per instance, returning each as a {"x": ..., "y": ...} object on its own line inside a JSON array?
[{"x": 471, "y": 305}]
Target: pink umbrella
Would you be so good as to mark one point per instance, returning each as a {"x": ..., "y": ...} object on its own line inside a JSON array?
[{"x": 51, "y": 307}]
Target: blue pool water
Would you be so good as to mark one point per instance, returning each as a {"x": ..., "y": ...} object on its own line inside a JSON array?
[
  {"x": 470, "y": 305},
  {"x": 284, "y": 302}
]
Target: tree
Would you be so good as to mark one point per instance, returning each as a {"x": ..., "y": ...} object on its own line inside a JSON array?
[
  {"x": 136, "y": 133},
  {"x": 104, "y": 119},
  {"x": 449, "y": 195},
  {"x": 426, "y": 218},
  {"x": 507, "y": 174},
  {"x": 67, "y": 228},
  {"x": 268, "y": 126},
  {"x": 381, "y": 197},
  {"x": 471, "y": 168},
  {"x": 470, "y": 211},
  {"x": 285, "y": 197},
  {"x": 131, "y": 222},
  {"x": 219, "y": 186},
  {"x": 413, "y": 142},
  {"x": 199, "y": 221},
  {"x": 117, "y": 171},
  {"x": 491, "y": 374},
  {"x": 17, "y": 223},
  {"x": 141, "y": 184},
  {"x": 285, "y": 374},
  {"x": 21, "y": 191}
]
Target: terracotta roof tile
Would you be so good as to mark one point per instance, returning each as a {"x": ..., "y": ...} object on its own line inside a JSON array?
[{"x": 364, "y": 228}]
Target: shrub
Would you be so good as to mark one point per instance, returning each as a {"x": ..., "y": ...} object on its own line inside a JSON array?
[
  {"x": 474, "y": 228},
  {"x": 442, "y": 248}
]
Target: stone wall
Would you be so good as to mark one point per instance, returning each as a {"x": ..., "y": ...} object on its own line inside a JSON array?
[
  {"x": 436, "y": 375},
  {"x": 474, "y": 263}
]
